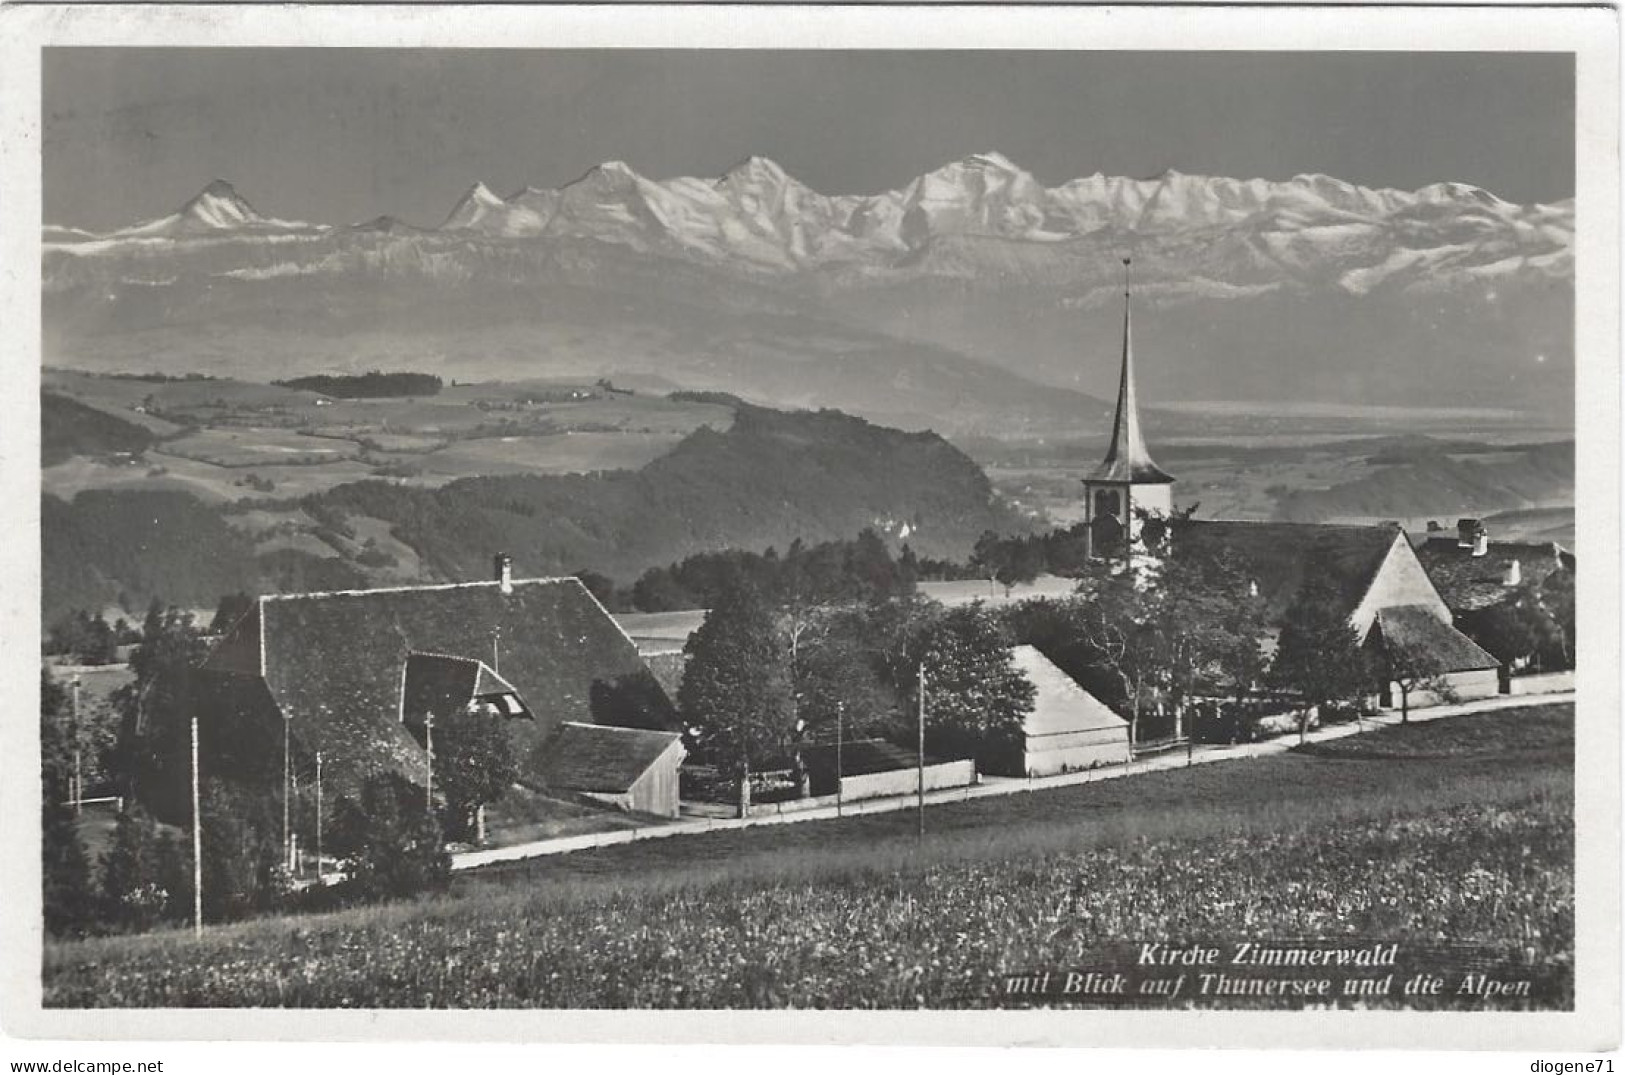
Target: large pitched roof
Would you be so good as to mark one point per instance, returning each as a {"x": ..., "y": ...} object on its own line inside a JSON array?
[
  {"x": 1060, "y": 705},
  {"x": 1429, "y": 642},
  {"x": 336, "y": 663},
  {"x": 1468, "y": 582},
  {"x": 1127, "y": 459},
  {"x": 1281, "y": 557},
  {"x": 590, "y": 757}
]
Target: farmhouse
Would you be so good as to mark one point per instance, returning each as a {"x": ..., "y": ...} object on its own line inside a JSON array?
[
  {"x": 628, "y": 768},
  {"x": 1068, "y": 728},
  {"x": 1473, "y": 573},
  {"x": 356, "y": 675},
  {"x": 1373, "y": 570}
]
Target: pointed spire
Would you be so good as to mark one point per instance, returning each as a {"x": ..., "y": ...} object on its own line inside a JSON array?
[{"x": 1127, "y": 459}]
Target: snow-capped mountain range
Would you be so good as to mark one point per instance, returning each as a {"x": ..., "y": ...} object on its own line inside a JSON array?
[{"x": 974, "y": 261}]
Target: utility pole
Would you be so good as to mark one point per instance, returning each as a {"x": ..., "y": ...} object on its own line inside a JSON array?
[
  {"x": 920, "y": 799},
  {"x": 197, "y": 845},
  {"x": 428, "y": 754},
  {"x": 840, "y": 770},
  {"x": 318, "y": 817},
  {"x": 78, "y": 779},
  {"x": 287, "y": 801}
]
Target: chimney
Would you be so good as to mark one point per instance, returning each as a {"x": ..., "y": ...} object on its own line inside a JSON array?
[
  {"x": 1481, "y": 544},
  {"x": 1514, "y": 575},
  {"x": 503, "y": 568},
  {"x": 1468, "y": 531}
]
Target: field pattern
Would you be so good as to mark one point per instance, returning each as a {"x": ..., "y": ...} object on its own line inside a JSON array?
[{"x": 1475, "y": 847}]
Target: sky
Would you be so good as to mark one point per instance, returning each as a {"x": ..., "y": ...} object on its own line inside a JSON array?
[{"x": 342, "y": 135}]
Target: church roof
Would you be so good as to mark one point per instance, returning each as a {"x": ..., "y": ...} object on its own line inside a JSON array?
[
  {"x": 1281, "y": 557},
  {"x": 1127, "y": 459}
]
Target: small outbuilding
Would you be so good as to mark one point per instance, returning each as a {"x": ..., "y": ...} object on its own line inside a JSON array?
[
  {"x": 1068, "y": 729},
  {"x": 1412, "y": 638},
  {"x": 628, "y": 768}
]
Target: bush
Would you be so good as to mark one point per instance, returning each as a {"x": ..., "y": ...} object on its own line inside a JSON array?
[
  {"x": 241, "y": 852},
  {"x": 133, "y": 898},
  {"x": 391, "y": 845}
]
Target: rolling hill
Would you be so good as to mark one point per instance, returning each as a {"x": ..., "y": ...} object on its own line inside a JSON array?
[{"x": 768, "y": 479}]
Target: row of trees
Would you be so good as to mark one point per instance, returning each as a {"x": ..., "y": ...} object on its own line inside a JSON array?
[
  {"x": 768, "y": 675},
  {"x": 860, "y": 569},
  {"x": 88, "y": 639},
  {"x": 764, "y": 681}
]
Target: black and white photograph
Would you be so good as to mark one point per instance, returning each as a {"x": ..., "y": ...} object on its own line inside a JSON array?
[{"x": 1105, "y": 526}]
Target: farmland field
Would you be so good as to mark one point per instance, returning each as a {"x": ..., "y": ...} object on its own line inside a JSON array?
[{"x": 1469, "y": 840}]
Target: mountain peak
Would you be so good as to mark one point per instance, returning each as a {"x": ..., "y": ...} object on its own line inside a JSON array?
[
  {"x": 755, "y": 165},
  {"x": 994, "y": 160},
  {"x": 218, "y": 206},
  {"x": 480, "y": 194},
  {"x": 219, "y": 188}
]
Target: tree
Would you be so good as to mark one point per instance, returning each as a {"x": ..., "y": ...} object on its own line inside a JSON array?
[
  {"x": 990, "y": 556},
  {"x": 1413, "y": 669},
  {"x": 473, "y": 765},
  {"x": 134, "y": 898},
  {"x": 150, "y": 760},
  {"x": 67, "y": 896},
  {"x": 976, "y": 697},
  {"x": 1510, "y": 631},
  {"x": 1318, "y": 656},
  {"x": 390, "y": 845},
  {"x": 173, "y": 871},
  {"x": 243, "y": 866},
  {"x": 1207, "y": 620},
  {"x": 837, "y": 689},
  {"x": 1527, "y": 625},
  {"x": 736, "y": 697},
  {"x": 1556, "y": 599},
  {"x": 1110, "y": 622}
]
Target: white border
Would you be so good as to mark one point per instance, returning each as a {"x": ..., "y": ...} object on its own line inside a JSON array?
[{"x": 1590, "y": 33}]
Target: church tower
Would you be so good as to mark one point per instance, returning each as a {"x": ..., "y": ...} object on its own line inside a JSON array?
[{"x": 1128, "y": 481}]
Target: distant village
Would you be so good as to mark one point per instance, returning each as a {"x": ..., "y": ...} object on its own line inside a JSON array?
[{"x": 362, "y": 742}]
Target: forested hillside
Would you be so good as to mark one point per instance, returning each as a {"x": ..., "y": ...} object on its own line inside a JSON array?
[
  {"x": 772, "y": 478},
  {"x": 69, "y": 428},
  {"x": 106, "y": 547}
]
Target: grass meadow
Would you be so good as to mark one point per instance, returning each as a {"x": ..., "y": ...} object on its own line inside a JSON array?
[{"x": 1466, "y": 842}]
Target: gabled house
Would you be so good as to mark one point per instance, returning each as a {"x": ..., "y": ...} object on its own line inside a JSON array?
[{"x": 354, "y": 674}]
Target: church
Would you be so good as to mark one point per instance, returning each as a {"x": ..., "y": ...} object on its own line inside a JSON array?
[{"x": 1378, "y": 581}]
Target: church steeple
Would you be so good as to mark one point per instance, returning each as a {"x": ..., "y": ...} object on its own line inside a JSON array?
[{"x": 1127, "y": 459}]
